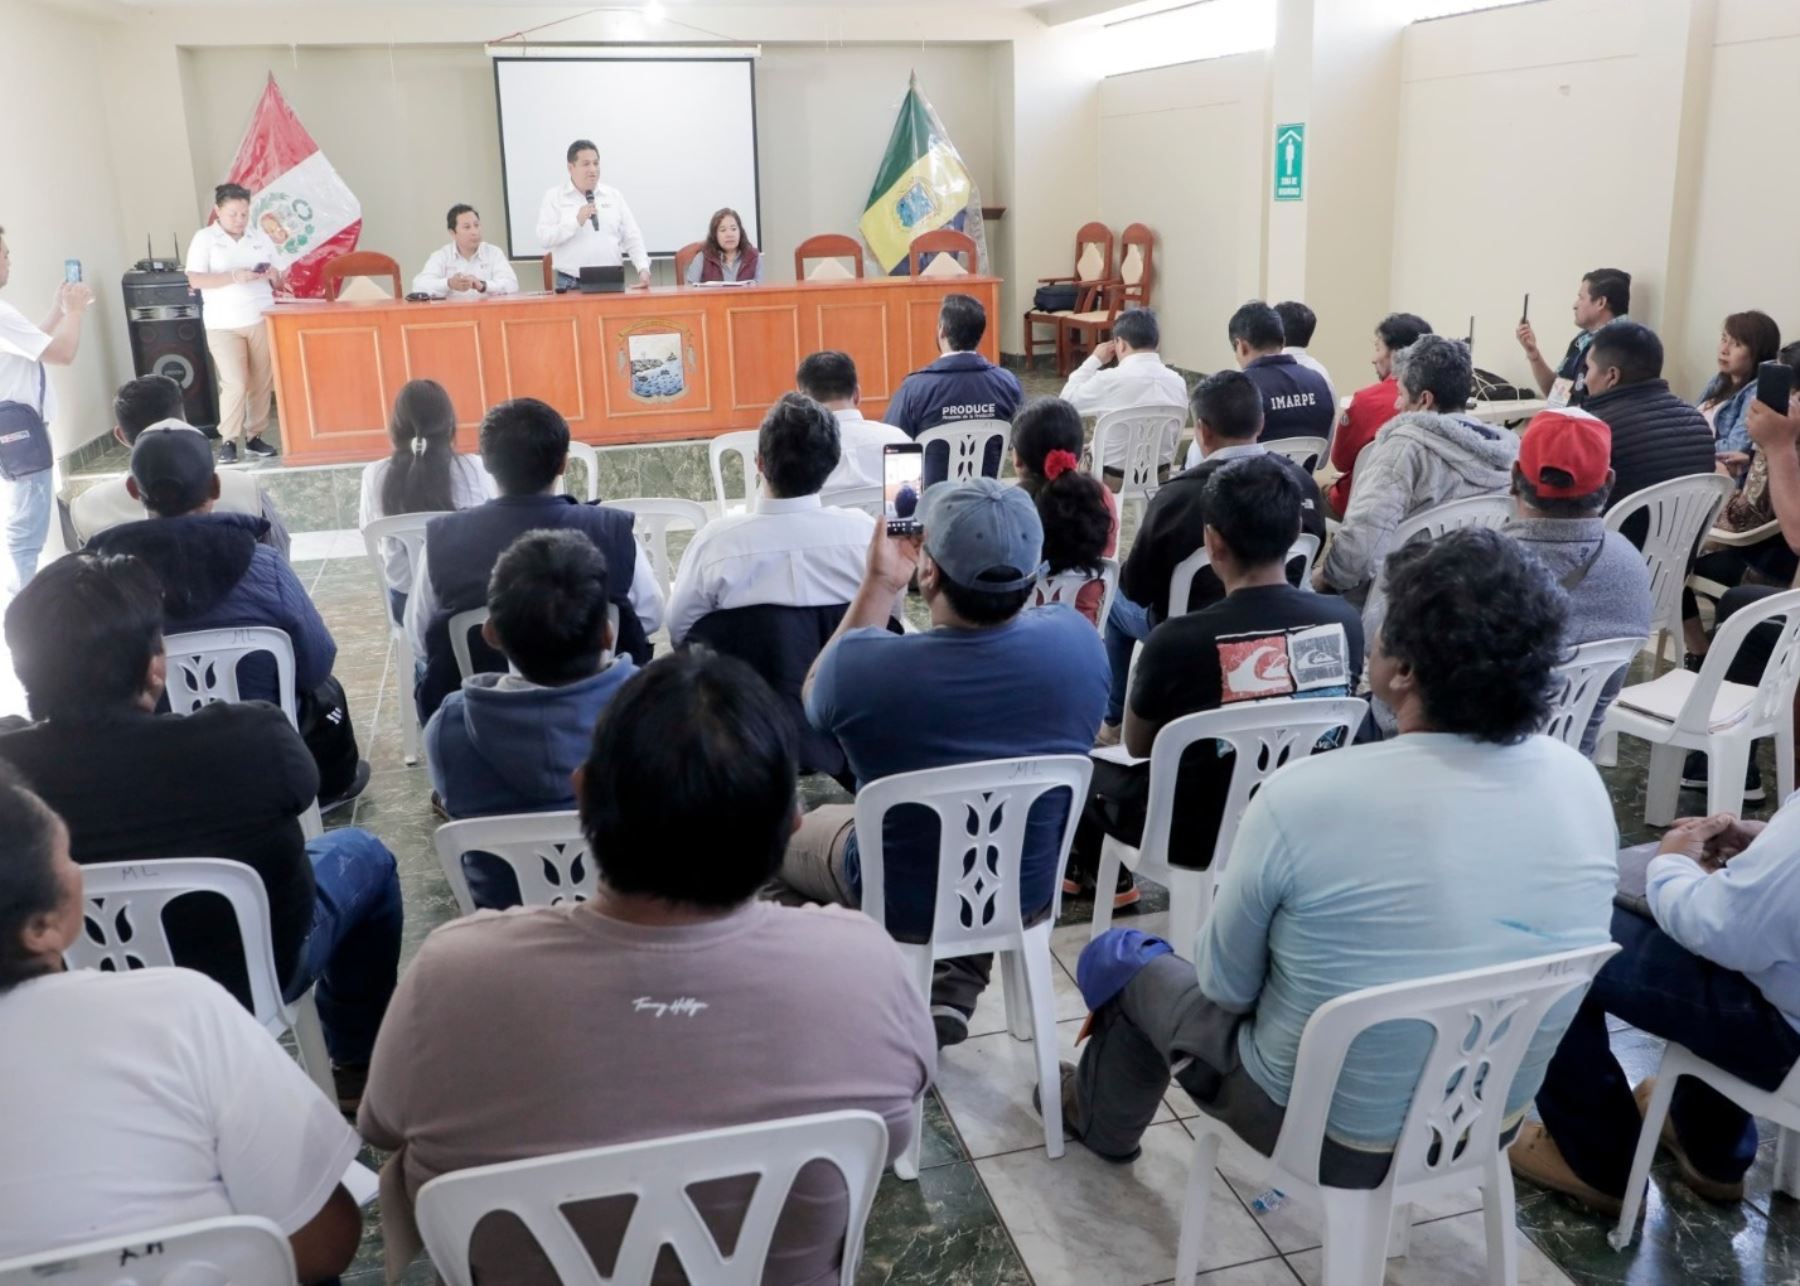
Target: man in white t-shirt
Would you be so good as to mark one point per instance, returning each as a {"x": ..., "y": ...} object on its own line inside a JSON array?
[
  {"x": 829, "y": 378},
  {"x": 1298, "y": 322},
  {"x": 467, "y": 268},
  {"x": 1139, "y": 380},
  {"x": 25, "y": 350},
  {"x": 148, "y": 1098},
  {"x": 586, "y": 224}
]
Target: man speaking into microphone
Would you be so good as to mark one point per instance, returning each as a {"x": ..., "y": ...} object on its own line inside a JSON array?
[{"x": 586, "y": 224}]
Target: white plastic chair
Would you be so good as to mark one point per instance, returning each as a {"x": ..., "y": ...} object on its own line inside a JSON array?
[
  {"x": 123, "y": 930},
  {"x": 1471, "y": 511},
  {"x": 234, "y": 1248},
  {"x": 658, "y": 1174},
  {"x": 655, "y": 516},
  {"x": 743, "y": 442},
  {"x": 590, "y": 468},
  {"x": 1181, "y": 580},
  {"x": 982, "y": 809},
  {"x": 1679, "y": 511},
  {"x": 461, "y": 625},
  {"x": 1724, "y": 538},
  {"x": 1782, "y": 1107},
  {"x": 967, "y": 441},
  {"x": 1484, "y": 1020},
  {"x": 867, "y": 499},
  {"x": 1681, "y": 711},
  {"x": 1580, "y": 681},
  {"x": 1150, "y": 435},
  {"x": 1266, "y": 736},
  {"x": 1308, "y": 453},
  {"x": 546, "y": 851},
  {"x": 1065, "y": 587},
  {"x": 409, "y": 531}
]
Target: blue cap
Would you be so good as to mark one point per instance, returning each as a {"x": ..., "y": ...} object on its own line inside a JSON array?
[{"x": 984, "y": 534}]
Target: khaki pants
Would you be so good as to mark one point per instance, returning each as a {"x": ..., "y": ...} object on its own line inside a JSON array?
[{"x": 246, "y": 379}]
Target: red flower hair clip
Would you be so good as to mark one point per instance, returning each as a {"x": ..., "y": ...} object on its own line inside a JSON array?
[{"x": 1058, "y": 463}]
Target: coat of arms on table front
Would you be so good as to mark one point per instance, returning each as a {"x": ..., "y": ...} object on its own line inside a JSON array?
[{"x": 657, "y": 357}]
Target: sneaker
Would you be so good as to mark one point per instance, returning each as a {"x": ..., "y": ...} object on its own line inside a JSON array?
[
  {"x": 1080, "y": 884},
  {"x": 1693, "y": 777},
  {"x": 350, "y": 1079},
  {"x": 1711, "y": 1189},
  {"x": 228, "y": 454},
  {"x": 358, "y": 784},
  {"x": 1071, "y": 1116},
  {"x": 1536, "y": 1159},
  {"x": 951, "y": 1024},
  {"x": 257, "y": 447},
  {"x": 1109, "y": 735}
]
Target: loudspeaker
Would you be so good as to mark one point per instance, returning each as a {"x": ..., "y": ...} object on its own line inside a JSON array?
[{"x": 168, "y": 337}]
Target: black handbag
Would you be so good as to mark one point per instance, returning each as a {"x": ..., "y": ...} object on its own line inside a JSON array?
[
  {"x": 1055, "y": 299},
  {"x": 24, "y": 437}
]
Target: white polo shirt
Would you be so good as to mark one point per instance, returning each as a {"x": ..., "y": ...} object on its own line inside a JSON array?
[
  {"x": 574, "y": 246},
  {"x": 795, "y": 552},
  {"x": 1140, "y": 379},
  {"x": 240, "y": 304},
  {"x": 488, "y": 264},
  {"x": 22, "y": 347},
  {"x": 860, "y": 441}
]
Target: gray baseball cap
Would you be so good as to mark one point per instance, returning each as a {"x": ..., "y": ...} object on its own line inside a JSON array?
[{"x": 980, "y": 528}]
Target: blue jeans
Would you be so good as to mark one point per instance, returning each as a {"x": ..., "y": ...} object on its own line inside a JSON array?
[
  {"x": 1657, "y": 985},
  {"x": 1127, "y": 625},
  {"x": 353, "y": 949},
  {"x": 28, "y": 521}
]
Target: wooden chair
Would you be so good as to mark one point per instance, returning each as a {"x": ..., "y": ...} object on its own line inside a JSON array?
[
  {"x": 685, "y": 256},
  {"x": 1129, "y": 289},
  {"x": 549, "y": 273},
  {"x": 830, "y": 246},
  {"x": 361, "y": 263},
  {"x": 945, "y": 241},
  {"x": 1093, "y": 267}
]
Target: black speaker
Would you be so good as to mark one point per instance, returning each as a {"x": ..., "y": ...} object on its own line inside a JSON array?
[{"x": 168, "y": 337}]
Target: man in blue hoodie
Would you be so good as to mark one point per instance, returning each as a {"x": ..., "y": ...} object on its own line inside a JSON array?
[{"x": 507, "y": 743}]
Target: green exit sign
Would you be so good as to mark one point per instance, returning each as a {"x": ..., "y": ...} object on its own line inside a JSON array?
[{"x": 1290, "y": 162}]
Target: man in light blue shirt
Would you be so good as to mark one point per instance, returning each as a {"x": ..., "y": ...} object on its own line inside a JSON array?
[{"x": 1466, "y": 841}]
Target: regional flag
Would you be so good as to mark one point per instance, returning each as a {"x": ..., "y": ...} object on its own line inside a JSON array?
[
  {"x": 922, "y": 186},
  {"x": 296, "y": 197}
]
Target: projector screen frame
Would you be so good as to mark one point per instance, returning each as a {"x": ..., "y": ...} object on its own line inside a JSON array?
[{"x": 500, "y": 123}]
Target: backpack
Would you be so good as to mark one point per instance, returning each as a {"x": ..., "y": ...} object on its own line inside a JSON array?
[{"x": 1055, "y": 299}]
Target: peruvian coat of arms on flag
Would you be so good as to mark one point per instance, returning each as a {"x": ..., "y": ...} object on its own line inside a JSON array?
[{"x": 296, "y": 198}]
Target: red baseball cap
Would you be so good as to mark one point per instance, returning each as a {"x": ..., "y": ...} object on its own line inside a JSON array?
[{"x": 1565, "y": 442}]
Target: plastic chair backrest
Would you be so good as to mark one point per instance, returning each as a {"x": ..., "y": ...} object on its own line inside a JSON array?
[
  {"x": 1580, "y": 681},
  {"x": 1679, "y": 511},
  {"x": 409, "y": 531},
  {"x": 867, "y": 499},
  {"x": 590, "y": 468},
  {"x": 1484, "y": 1021},
  {"x": 654, "y": 516},
  {"x": 460, "y": 626},
  {"x": 203, "y": 665},
  {"x": 209, "y": 1252},
  {"x": 982, "y": 809},
  {"x": 967, "y": 441},
  {"x": 1181, "y": 580},
  {"x": 1774, "y": 691},
  {"x": 1266, "y": 736},
  {"x": 742, "y": 441},
  {"x": 1471, "y": 511},
  {"x": 1064, "y": 587},
  {"x": 1308, "y": 453},
  {"x": 122, "y": 920},
  {"x": 1150, "y": 434},
  {"x": 547, "y": 851},
  {"x": 659, "y": 1175}
]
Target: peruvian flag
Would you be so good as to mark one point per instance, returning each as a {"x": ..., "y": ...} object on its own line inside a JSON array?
[{"x": 296, "y": 198}]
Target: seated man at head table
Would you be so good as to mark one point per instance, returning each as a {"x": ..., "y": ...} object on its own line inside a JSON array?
[{"x": 467, "y": 268}]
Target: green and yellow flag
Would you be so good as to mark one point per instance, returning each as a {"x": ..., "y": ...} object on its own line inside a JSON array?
[{"x": 922, "y": 185}]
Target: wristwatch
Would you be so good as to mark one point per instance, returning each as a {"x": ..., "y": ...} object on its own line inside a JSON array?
[{"x": 480, "y": 286}]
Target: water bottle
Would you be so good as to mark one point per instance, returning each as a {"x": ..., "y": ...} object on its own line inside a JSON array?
[{"x": 1267, "y": 1203}]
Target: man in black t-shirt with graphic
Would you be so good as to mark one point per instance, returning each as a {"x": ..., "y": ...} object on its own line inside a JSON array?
[
  {"x": 1265, "y": 639},
  {"x": 1605, "y": 296}
]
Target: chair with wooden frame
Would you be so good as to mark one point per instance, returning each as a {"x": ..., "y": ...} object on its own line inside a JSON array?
[
  {"x": 943, "y": 241},
  {"x": 1129, "y": 289},
  {"x": 685, "y": 256},
  {"x": 549, "y": 273},
  {"x": 1093, "y": 268},
  {"x": 827, "y": 246},
  {"x": 361, "y": 263}
]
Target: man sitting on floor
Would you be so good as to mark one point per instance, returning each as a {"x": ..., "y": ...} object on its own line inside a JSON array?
[
  {"x": 991, "y": 679},
  {"x": 1370, "y": 865},
  {"x": 674, "y": 1001},
  {"x": 229, "y": 780},
  {"x": 1124, "y": 373},
  {"x": 829, "y": 378},
  {"x": 154, "y": 401}
]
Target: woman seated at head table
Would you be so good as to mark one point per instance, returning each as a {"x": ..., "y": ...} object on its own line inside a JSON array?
[{"x": 728, "y": 254}]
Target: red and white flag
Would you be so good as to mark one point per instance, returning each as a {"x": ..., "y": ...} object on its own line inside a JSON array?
[{"x": 295, "y": 196}]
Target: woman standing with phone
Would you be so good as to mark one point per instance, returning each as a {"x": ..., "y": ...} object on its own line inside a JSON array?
[{"x": 232, "y": 265}]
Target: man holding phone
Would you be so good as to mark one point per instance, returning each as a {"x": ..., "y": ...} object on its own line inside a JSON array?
[
  {"x": 1604, "y": 296},
  {"x": 27, "y": 407}
]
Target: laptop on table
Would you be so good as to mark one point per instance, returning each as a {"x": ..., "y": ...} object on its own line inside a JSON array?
[{"x": 601, "y": 280}]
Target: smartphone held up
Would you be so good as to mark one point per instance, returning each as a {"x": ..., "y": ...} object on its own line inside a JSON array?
[{"x": 902, "y": 486}]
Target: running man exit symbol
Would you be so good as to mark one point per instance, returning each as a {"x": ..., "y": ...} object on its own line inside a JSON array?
[{"x": 1290, "y": 162}]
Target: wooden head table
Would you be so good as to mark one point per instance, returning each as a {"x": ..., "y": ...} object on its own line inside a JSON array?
[{"x": 641, "y": 366}]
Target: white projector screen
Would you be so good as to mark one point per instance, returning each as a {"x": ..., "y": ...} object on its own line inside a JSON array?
[{"x": 677, "y": 137}]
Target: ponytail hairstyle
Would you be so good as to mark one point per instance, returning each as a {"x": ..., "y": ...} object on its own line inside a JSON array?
[
  {"x": 28, "y": 882},
  {"x": 423, "y": 431},
  {"x": 1044, "y": 425},
  {"x": 1077, "y": 523}
]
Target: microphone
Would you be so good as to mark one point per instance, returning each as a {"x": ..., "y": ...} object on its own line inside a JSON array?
[{"x": 593, "y": 218}]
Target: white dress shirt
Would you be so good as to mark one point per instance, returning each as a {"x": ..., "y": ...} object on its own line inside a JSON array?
[
  {"x": 1317, "y": 367},
  {"x": 470, "y": 485},
  {"x": 860, "y": 441},
  {"x": 240, "y": 304},
  {"x": 488, "y": 265},
  {"x": 793, "y": 552},
  {"x": 1140, "y": 379},
  {"x": 574, "y": 246}
]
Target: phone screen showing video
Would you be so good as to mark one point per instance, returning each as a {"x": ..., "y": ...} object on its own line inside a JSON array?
[{"x": 902, "y": 485}]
